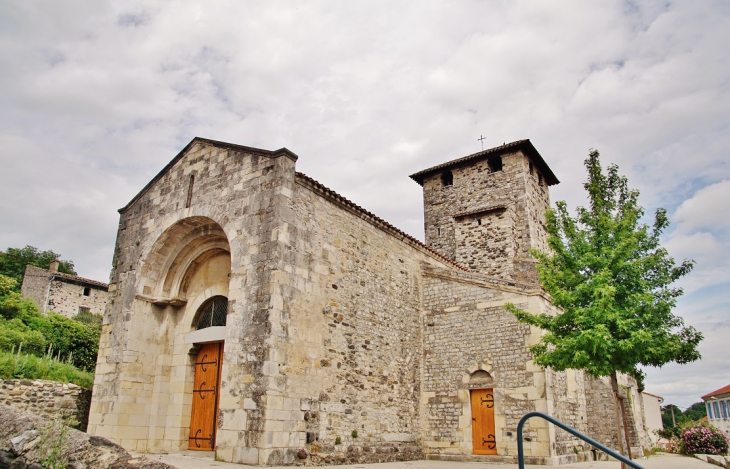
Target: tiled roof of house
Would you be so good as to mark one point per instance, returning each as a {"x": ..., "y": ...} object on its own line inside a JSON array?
[{"x": 725, "y": 390}]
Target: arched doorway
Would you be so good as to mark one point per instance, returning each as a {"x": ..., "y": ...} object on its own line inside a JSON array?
[
  {"x": 207, "y": 376},
  {"x": 185, "y": 278},
  {"x": 482, "y": 413}
]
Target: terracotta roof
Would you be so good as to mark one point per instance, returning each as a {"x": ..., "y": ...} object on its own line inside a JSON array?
[
  {"x": 372, "y": 218},
  {"x": 231, "y": 146},
  {"x": 524, "y": 145},
  {"x": 68, "y": 277},
  {"x": 725, "y": 390},
  {"x": 74, "y": 278}
]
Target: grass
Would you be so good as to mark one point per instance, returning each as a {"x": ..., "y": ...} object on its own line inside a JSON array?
[{"x": 23, "y": 366}]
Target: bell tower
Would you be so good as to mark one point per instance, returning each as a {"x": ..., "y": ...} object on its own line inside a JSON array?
[{"x": 487, "y": 210}]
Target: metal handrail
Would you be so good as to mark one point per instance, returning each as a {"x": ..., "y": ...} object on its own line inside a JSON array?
[{"x": 605, "y": 449}]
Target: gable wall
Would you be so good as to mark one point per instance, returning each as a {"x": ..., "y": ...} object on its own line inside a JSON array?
[{"x": 143, "y": 386}]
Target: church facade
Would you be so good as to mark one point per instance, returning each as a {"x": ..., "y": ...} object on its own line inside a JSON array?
[{"x": 255, "y": 313}]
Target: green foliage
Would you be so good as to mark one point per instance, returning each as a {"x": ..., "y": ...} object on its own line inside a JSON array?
[
  {"x": 354, "y": 433},
  {"x": 52, "y": 446},
  {"x": 14, "y": 335},
  {"x": 696, "y": 411},
  {"x": 70, "y": 339},
  {"x": 693, "y": 414},
  {"x": 701, "y": 438},
  {"x": 87, "y": 317},
  {"x": 13, "y": 262},
  {"x": 338, "y": 441},
  {"x": 12, "y": 304},
  {"x": 611, "y": 278},
  {"x": 17, "y": 365},
  {"x": 22, "y": 322}
]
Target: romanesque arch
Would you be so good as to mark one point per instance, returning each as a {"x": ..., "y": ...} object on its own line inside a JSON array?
[{"x": 186, "y": 273}]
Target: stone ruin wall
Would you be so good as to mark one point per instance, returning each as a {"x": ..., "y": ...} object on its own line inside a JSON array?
[
  {"x": 47, "y": 399},
  {"x": 352, "y": 348}
]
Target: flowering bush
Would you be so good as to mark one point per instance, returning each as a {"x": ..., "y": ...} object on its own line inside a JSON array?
[
  {"x": 673, "y": 445},
  {"x": 703, "y": 439}
]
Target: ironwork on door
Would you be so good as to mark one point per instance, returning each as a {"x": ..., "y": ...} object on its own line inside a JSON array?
[
  {"x": 205, "y": 397},
  {"x": 482, "y": 421}
]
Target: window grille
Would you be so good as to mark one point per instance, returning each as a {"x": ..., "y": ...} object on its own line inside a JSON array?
[
  {"x": 213, "y": 313},
  {"x": 709, "y": 410}
]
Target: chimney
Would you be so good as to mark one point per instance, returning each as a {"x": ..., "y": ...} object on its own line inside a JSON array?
[{"x": 54, "y": 266}]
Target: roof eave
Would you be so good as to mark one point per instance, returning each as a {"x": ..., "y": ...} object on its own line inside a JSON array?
[{"x": 524, "y": 145}]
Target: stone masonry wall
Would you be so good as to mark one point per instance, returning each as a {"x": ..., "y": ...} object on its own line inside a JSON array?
[
  {"x": 62, "y": 293},
  {"x": 601, "y": 413},
  {"x": 47, "y": 399},
  {"x": 35, "y": 285},
  {"x": 67, "y": 299},
  {"x": 467, "y": 328},
  {"x": 349, "y": 343},
  {"x": 486, "y": 219}
]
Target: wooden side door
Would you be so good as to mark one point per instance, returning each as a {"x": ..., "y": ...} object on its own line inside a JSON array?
[
  {"x": 482, "y": 421},
  {"x": 205, "y": 397}
]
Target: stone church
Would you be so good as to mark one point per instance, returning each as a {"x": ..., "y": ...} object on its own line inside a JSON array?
[{"x": 258, "y": 314}]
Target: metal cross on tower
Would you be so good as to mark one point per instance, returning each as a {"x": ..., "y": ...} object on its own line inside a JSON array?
[{"x": 481, "y": 139}]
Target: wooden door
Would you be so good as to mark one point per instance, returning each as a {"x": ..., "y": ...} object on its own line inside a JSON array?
[
  {"x": 205, "y": 397},
  {"x": 482, "y": 421}
]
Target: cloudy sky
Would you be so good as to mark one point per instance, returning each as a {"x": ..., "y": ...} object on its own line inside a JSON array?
[{"x": 96, "y": 96}]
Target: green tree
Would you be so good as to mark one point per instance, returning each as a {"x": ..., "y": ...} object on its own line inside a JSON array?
[
  {"x": 13, "y": 262},
  {"x": 696, "y": 411},
  {"x": 607, "y": 273}
]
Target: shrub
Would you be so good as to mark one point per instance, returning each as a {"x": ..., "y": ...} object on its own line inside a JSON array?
[
  {"x": 14, "y": 335},
  {"x": 70, "y": 339},
  {"x": 23, "y": 366},
  {"x": 703, "y": 439}
]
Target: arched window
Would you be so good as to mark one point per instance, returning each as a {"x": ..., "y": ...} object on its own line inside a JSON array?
[{"x": 212, "y": 313}]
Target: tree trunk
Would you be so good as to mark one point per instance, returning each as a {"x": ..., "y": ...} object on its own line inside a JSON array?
[{"x": 621, "y": 424}]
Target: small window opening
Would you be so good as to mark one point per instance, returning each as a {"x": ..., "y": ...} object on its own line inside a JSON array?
[
  {"x": 447, "y": 178},
  {"x": 87, "y": 291},
  {"x": 439, "y": 231},
  {"x": 479, "y": 221},
  {"x": 190, "y": 191},
  {"x": 213, "y": 313},
  {"x": 539, "y": 178},
  {"x": 495, "y": 164},
  {"x": 531, "y": 167}
]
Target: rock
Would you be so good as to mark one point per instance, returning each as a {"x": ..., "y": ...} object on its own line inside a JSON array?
[
  {"x": 17, "y": 433},
  {"x": 5, "y": 459},
  {"x": 302, "y": 454},
  {"x": 18, "y": 443}
]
